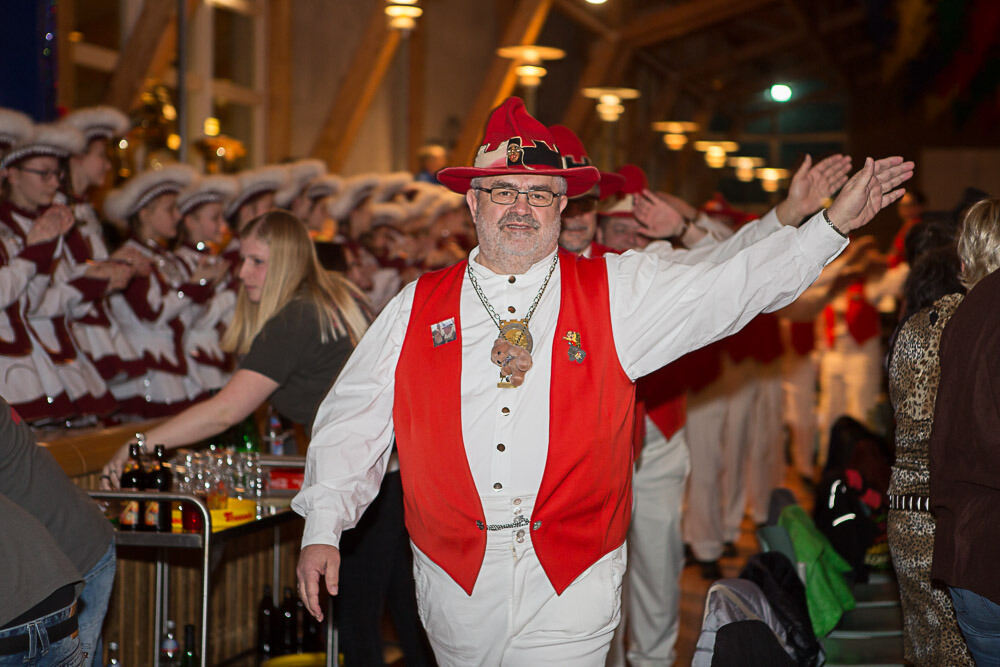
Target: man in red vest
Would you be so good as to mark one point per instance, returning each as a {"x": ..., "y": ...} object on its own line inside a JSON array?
[{"x": 517, "y": 484}]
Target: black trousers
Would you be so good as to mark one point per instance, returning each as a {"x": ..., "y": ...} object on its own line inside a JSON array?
[{"x": 376, "y": 570}]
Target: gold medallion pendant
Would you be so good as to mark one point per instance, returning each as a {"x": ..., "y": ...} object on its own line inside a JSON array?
[{"x": 516, "y": 332}]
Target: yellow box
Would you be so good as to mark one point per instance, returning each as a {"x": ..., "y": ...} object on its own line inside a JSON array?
[{"x": 235, "y": 513}]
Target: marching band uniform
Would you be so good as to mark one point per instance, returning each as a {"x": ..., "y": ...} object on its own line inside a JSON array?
[
  {"x": 64, "y": 292},
  {"x": 518, "y": 502},
  {"x": 149, "y": 310},
  {"x": 209, "y": 368},
  {"x": 95, "y": 331}
]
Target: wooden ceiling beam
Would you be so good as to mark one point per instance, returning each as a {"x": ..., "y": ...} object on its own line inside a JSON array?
[
  {"x": 683, "y": 19},
  {"x": 643, "y": 137},
  {"x": 585, "y": 18},
  {"x": 606, "y": 56},
  {"x": 746, "y": 54},
  {"x": 846, "y": 19},
  {"x": 816, "y": 42},
  {"x": 135, "y": 59},
  {"x": 363, "y": 77},
  {"x": 526, "y": 22}
]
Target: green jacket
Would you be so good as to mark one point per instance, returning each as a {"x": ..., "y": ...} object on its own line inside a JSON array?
[{"x": 827, "y": 592}]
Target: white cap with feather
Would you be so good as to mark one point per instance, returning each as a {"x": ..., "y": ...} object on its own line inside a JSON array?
[
  {"x": 126, "y": 201},
  {"x": 299, "y": 176},
  {"x": 269, "y": 178},
  {"x": 390, "y": 185},
  {"x": 50, "y": 139},
  {"x": 14, "y": 128},
  {"x": 446, "y": 202},
  {"x": 205, "y": 190},
  {"x": 355, "y": 189},
  {"x": 100, "y": 122},
  {"x": 388, "y": 213},
  {"x": 324, "y": 186}
]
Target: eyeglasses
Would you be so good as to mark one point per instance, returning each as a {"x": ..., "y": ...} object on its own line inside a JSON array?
[
  {"x": 507, "y": 196},
  {"x": 44, "y": 174},
  {"x": 579, "y": 205}
]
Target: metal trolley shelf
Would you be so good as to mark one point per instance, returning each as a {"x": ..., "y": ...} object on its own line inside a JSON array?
[{"x": 273, "y": 511}]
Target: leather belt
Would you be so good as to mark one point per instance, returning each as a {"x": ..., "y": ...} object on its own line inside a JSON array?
[
  {"x": 21, "y": 643},
  {"x": 909, "y": 502}
]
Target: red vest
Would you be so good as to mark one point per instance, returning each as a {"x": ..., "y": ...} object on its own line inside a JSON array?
[
  {"x": 584, "y": 503},
  {"x": 863, "y": 320}
]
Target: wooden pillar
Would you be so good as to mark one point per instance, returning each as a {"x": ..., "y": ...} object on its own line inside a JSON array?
[
  {"x": 364, "y": 76},
  {"x": 279, "y": 79},
  {"x": 138, "y": 53},
  {"x": 416, "y": 81}
]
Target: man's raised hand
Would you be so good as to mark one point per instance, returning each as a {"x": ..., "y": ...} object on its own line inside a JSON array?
[
  {"x": 871, "y": 189},
  {"x": 658, "y": 217},
  {"x": 811, "y": 186}
]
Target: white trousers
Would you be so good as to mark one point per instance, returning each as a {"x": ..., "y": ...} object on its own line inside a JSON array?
[
  {"x": 651, "y": 604},
  {"x": 706, "y": 419},
  {"x": 764, "y": 462},
  {"x": 850, "y": 383},
  {"x": 741, "y": 405},
  {"x": 799, "y": 376},
  {"x": 514, "y": 617}
]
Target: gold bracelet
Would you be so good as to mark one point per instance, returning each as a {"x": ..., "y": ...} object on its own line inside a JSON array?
[{"x": 826, "y": 216}]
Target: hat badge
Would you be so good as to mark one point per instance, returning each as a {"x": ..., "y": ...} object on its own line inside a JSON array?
[{"x": 514, "y": 152}]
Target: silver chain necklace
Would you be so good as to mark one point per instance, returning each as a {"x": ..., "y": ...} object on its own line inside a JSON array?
[{"x": 515, "y": 331}]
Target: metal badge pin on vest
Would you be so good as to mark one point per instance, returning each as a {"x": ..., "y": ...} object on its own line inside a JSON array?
[{"x": 576, "y": 353}]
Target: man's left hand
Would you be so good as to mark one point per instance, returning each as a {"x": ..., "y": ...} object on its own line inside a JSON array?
[{"x": 870, "y": 190}]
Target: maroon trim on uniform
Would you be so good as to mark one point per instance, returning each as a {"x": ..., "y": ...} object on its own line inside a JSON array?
[
  {"x": 8, "y": 209},
  {"x": 20, "y": 346},
  {"x": 204, "y": 359},
  {"x": 92, "y": 289},
  {"x": 42, "y": 255},
  {"x": 161, "y": 364},
  {"x": 97, "y": 316},
  {"x": 78, "y": 245},
  {"x": 198, "y": 293},
  {"x": 137, "y": 405},
  {"x": 66, "y": 351},
  {"x": 102, "y": 405},
  {"x": 135, "y": 295},
  {"x": 40, "y": 408}
]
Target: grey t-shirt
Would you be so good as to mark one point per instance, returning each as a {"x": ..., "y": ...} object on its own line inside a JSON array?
[
  {"x": 31, "y": 478},
  {"x": 32, "y": 565},
  {"x": 289, "y": 351}
]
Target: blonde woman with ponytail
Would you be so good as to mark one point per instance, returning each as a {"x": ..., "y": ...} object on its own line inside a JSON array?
[{"x": 294, "y": 327}]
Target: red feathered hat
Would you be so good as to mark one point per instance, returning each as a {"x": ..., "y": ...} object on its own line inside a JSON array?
[
  {"x": 516, "y": 143},
  {"x": 575, "y": 155},
  {"x": 635, "y": 181}
]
